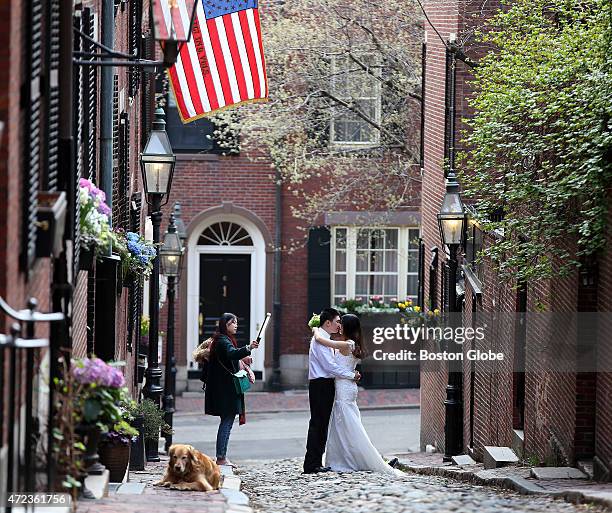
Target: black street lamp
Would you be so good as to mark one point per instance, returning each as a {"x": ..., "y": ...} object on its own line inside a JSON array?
[
  {"x": 451, "y": 221},
  {"x": 171, "y": 254},
  {"x": 157, "y": 165}
]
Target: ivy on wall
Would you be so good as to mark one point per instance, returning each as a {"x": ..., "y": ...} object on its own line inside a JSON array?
[{"x": 538, "y": 149}]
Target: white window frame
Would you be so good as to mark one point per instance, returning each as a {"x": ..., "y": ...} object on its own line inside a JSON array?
[
  {"x": 334, "y": 114},
  {"x": 351, "y": 259}
]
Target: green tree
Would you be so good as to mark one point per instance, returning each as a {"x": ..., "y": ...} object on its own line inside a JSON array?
[
  {"x": 538, "y": 148},
  {"x": 344, "y": 102}
]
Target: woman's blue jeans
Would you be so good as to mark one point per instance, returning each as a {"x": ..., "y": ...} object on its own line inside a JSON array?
[{"x": 223, "y": 434}]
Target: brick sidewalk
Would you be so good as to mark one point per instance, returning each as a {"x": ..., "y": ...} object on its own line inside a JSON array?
[
  {"x": 517, "y": 478},
  {"x": 156, "y": 499},
  {"x": 259, "y": 402}
]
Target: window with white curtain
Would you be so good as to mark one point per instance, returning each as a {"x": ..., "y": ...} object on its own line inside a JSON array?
[{"x": 374, "y": 261}]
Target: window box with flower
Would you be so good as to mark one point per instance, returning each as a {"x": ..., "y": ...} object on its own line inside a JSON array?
[
  {"x": 94, "y": 224},
  {"x": 137, "y": 255}
]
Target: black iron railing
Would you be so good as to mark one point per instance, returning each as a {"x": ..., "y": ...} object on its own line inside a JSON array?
[{"x": 17, "y": 357}]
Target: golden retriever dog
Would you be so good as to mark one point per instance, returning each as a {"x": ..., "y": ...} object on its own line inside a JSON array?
[{"x": 189, "y": 469}]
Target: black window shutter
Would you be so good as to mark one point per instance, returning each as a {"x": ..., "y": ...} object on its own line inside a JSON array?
[
  {"x": 52, "y": 85},
  {"x": 116, "y": 151},
  {"x": 135, "y": 291},
  {"x": 31, "y": 92},
  {"x": 89, "y": 100},
  {"x": 134, "y": 36},
  {"x": 319, "y": 269},
  {"x": 147, "y": 44},
  {"x": 77, "y": 114}
]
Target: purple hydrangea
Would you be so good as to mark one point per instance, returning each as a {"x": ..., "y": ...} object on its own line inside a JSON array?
[{"x": 95, "y": 371}]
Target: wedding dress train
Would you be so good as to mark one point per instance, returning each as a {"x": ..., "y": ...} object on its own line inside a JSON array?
[{"x": 348, "y": 445}]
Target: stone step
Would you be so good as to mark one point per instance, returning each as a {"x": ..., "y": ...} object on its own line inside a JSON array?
[
  {"x": 463, "y": 459},
  {"x": 557, "y": 473},
  {"x": 98, "y": 484},
  {"x": 495, "y": 457},
  {"x": 518, "y": 442}
]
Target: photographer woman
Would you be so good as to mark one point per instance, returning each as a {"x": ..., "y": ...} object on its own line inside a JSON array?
[{"x": 221, "y": 398}]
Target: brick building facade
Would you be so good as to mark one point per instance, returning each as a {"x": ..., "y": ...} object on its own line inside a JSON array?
[
  {"x": 214, "y": 188},
  {"x": 50, "y": 137},
  {"x": 552, "y": 416}
]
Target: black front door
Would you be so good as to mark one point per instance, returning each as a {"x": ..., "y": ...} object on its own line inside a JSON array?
[{"x": 225, "y": 286}]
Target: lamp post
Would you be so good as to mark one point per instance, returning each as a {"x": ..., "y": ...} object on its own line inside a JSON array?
[
  {"x": 451, "y": 221},
  {"x": 157, "y": 165},
  {"x": 171, "y": 254}
]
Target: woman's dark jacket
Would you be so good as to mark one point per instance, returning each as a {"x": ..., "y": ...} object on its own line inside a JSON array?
[{"x": 221, "y": 398}]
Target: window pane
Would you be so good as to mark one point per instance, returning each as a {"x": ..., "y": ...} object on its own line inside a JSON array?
[
  {"x": 377, "y": 261},
  {"x": 361, "y": 285},
  {"x": 340, "y": 260},
  {"x": 413, "y": 262},
  {"x": 390, "y": 285},
  {"x": 340, "y": 238},
  {"x": 377, "y": 283},
  {"x": 377, "y": 239},
  {"x": 391, "y": 239},
  {"x": 363, "y": 241},
  {"x": 413, "y": 239},
  {"x": 412, "y": 285},
  {"x": 362, "y": 261},
  {"x": 340, "y": 284},
  {"x": 391, "y": 261}
]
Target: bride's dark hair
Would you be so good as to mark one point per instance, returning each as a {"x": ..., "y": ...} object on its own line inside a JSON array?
[{"x": 351, "y": 329}]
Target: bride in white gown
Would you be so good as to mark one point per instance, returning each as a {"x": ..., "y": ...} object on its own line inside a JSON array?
[{"x": 348, "y": 445}]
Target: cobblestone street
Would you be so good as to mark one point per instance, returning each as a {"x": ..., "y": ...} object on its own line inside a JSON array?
[{"x": 279, "y": 486}]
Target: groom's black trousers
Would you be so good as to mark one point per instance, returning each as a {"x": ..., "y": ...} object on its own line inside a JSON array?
[{"x": 321, "y": 393}]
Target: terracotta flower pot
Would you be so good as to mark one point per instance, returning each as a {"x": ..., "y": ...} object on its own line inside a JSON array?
[{"x": 116, "y": 459}]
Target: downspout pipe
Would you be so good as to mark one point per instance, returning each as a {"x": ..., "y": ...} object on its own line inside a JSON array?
[
  {"x": 275, "y": 381},
  {"x": 106, "y": 104}
]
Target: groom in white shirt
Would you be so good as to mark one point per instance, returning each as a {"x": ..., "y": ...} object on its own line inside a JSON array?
[{"x": 322, "y": 370}]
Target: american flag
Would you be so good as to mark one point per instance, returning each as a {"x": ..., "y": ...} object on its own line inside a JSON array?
[{"x": 223, "y": 62}]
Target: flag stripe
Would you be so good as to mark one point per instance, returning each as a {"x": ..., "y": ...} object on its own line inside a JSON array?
[
  {"x": 257, "y": 49},
  {"x": 177, "y": 22},
  {"x": 192, "y": 67},
  {"x": 178, "y": 92},
  {"x": 222, "y": 63},
  {"x": 244, "y": 58},
  {"x": 210, "y": 55},
  {"x": 259, "y": 39},
  {"x": 244, "y": 23},
  {"x": 233, "y": 47},
  {"x": 216, "y": 47},
  {"x": 161, "y": 19},
  {"x": 227, "y": 59},
  {"x": 192, "y": 85},
  {"x": 210, "y": 97}
]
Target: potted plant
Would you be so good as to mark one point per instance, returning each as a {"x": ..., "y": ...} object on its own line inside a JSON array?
[
  {"x": 99, "y": 393},
  {"x": 153, "y": 421},
  {"x": 114, "y": 448}
]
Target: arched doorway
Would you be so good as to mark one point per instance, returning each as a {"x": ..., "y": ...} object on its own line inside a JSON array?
[{"x": 226, "y": 271}]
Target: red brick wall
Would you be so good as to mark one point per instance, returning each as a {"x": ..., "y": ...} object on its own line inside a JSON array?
[
  {"x": 444, "y": 16},
  {"x": 205, "y": 181},
  {"x": 603, "y": 426}
]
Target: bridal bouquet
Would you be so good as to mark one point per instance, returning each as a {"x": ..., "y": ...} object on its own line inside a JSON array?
[{"x": 315, "y": 321}]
